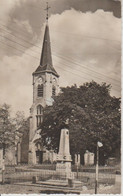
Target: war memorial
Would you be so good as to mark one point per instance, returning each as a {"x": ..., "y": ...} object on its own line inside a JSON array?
[{"x": 60, "y": 178}]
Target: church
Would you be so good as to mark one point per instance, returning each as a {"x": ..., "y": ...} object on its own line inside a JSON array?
[{"x": 45, "y": 85}]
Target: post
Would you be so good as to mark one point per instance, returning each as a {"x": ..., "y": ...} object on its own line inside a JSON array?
[
  {"x": 97, "y": 169},
  {"x": 77, "y": 166},
  {"x": 2, "y": 176},
  {"x": 77, "y": 169},
  {"x": 3, "y": 163},
  {"x": 3, "y": 169}
]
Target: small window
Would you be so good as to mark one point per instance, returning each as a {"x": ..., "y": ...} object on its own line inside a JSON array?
[
  {"x": 40, "y": 90},
  {"x": 53, "y": 91}
]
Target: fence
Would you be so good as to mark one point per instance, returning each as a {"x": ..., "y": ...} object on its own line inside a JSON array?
[
  {"x": 74, "y": 168},
  {"x": 44, "y": 173},
  {"x": 91, "y": 169}
]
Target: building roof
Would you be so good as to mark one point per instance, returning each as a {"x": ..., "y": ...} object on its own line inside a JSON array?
[{"x": 46, "y": 58}]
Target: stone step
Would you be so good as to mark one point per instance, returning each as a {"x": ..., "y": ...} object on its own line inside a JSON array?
[
  {"x": 58, "y": 190},
  {"x": 51, "y": 188},
  {"x": 54, "y": 182},
  {"x": 61, "y": 183}
]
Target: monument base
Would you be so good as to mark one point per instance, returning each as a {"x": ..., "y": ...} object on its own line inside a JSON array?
[{"x": 64, "y": 169}]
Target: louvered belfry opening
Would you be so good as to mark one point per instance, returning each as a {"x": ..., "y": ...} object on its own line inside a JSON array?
[
  {"x": 53, "y": 91},
  {"x": 40, "y": 90}
]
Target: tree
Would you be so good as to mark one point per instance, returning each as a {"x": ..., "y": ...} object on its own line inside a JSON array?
[
  {"x": 6, "y": 127},
  {"x": 93, "y": 114},
  {"x": 21, "y": 125},
  {"x": 10, "y": 127}
]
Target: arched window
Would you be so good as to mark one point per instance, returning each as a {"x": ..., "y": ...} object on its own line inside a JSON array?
[
  {"x": 53, "y": 91},
  {"x": 40, "y": 90},
  {"x": 39, "y": 116}
]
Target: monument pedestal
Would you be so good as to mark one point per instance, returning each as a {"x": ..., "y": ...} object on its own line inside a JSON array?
[{"x": 63, "y": 166}]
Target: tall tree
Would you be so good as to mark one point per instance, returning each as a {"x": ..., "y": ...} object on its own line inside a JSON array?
[
  {"x": 20, "y": 123},
  {"x": 10, "y": 127},
  {"x": 6, "y": 127},
  {"x": 92, "y": 114}
]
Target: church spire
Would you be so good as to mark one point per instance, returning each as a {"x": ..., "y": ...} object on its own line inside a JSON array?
[
  {"x": 46, "y": 49},
  {"x": 46, "y": 57}
]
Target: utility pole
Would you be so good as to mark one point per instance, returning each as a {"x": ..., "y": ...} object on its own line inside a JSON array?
[
  {"x": 97, "y": 169},
  {"x": 99, "y": 145}
]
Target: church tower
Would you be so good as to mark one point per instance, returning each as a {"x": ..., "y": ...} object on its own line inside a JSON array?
[{"x": 45, "y": 85}]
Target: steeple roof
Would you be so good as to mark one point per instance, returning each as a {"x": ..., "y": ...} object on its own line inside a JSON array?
[{"x": 46, "y": 58}]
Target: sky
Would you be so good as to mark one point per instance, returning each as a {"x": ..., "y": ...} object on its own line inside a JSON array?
[{"x": 85, "y": 40}]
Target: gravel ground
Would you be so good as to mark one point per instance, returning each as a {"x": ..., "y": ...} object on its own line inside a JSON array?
[
  {"x": 116, "y": 189},
  {"x": 19, "y": 189}
]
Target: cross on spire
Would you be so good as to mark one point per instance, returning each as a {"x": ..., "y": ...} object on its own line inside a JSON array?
[{"x": 47, "y": 10}]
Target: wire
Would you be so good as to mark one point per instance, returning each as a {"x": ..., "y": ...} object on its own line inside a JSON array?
[
  {"x": 83, "y": 76},
  {"x": 19, "y": 50},
  {"x": 52, "y": 44},
  {"x": 38, "y": 46},
  {"x": 15, "y": 30},
  {"x": 79, "y": 64},
  {"x": 92, "y": 37},
  {"x": 18, "y": 32},
  {"x": 60, "y": 56},
  {"x": 18, "y": 44},
  {"x": 57, "y": 65},
  {"x": 86, "y": 36},
  {"x": 22, "y": 39},
  {"x": 56, "y": 55},
  {"x": 70, "y": 70}
]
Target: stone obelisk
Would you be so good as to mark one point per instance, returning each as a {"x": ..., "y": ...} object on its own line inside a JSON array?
[{"x": 64, "y": 158}]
